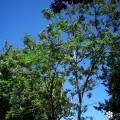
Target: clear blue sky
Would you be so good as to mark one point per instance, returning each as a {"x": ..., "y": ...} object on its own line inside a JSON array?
[{"x": 20, "y": 17}]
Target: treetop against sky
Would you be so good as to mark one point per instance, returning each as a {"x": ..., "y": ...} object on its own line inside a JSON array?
[{"x": 19, "y": 18}]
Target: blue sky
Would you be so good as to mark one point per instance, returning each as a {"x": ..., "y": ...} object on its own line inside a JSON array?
[{"x": 20, "y": 17}]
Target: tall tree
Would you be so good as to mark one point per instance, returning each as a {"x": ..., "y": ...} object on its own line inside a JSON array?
[
  {"x": 91, "y": 28},
  {"x": 82, "y": 44}
]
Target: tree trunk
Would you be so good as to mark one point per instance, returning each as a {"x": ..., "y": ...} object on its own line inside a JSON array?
[
  {"x": 78, "y": 89},
  {"x": 79, "y": 97},
  {"x": 79, "y": 106}
]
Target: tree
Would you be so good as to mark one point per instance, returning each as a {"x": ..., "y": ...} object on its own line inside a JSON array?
[
  {"x": 111, "y": 64},
  {"x": 114, "y": 85},
  {"x": 80, "y": 46},
  {"x": 32, "y": 78},
  {"x": 90, "y": 36},
  {"x": 31, "y": 83},
  {"x": 112, "y": 82}
]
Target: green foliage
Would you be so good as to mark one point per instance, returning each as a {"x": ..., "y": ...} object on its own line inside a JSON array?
[
  {"x": 47, "y": 14},
  {"x": 32, "y": 79},
  {"x": 91, "y": 30},
  {"x": 111, "y": 80},
  {"x": 31, "y": 84}
]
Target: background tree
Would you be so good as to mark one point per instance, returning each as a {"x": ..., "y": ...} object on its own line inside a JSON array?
[
  {"x": 111, "y": 64},
  {"x": 112, "y": 82}
]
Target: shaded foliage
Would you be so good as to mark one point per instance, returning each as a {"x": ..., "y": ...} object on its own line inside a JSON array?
[{"x": 59, "y": 5}]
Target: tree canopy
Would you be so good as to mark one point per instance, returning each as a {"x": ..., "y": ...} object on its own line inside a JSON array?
[{"x": 32, "y": 79}]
